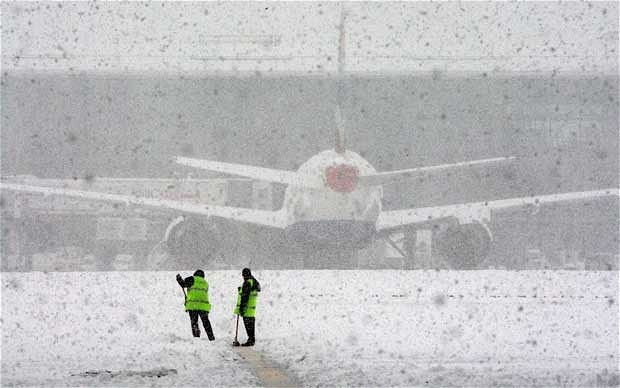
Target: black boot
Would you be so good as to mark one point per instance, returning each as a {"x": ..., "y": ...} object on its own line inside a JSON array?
[{"x": 250, "y": 325}]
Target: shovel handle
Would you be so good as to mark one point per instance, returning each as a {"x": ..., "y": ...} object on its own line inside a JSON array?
[
  {"x": 182, "y": 288},
  {"x": 237, "y": 328}
]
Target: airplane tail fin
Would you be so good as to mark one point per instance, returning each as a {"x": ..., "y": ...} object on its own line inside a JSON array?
[{"x": 340, "y": 138}]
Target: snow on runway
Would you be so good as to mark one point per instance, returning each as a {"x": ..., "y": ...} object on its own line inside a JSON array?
[{"x": 384, "y": 328}]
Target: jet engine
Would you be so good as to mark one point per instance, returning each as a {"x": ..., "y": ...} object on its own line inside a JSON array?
[
  {"x": 463, "y": 246},
  {"x": 193, "y": 241}
]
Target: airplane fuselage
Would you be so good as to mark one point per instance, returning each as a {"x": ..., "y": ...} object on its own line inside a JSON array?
[{"x": 341, "y": 212}]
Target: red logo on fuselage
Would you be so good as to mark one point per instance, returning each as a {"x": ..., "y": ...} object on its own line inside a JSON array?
[{"x": 342, "y": 178}]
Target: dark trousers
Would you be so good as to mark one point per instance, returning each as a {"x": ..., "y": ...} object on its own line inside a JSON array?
[
  {"x": 204, "y": 316},
  {"x": 249, "y": 323}
]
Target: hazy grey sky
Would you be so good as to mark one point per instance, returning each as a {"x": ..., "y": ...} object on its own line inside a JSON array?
[{"x": 304, "y": 36}]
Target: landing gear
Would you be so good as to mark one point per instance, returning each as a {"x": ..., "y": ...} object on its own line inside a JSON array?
[
  {"x": 416, "y": 248},
  {"x": 407, "y": 253}
]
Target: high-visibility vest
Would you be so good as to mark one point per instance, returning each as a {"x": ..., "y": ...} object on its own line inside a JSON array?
[
  {"x": 198, "y": 296},
  {"x": 250, "y": 309}
]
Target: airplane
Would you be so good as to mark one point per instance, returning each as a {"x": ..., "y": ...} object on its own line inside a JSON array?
[{"x": 333, "y": 202}]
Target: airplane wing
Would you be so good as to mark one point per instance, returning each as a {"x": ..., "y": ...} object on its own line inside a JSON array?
[
  {"x": 254, "y": 172},
  {"x": 395, "y": 218},
  {"x": 382, "y": 178},
  {"x": 274, "y": 219}
]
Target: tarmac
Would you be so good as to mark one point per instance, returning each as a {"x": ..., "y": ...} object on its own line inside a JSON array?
[{"x": 268, "y": 372}]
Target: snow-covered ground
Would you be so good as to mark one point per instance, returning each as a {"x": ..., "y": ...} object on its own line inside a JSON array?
[{"x": 380, "y": 328}]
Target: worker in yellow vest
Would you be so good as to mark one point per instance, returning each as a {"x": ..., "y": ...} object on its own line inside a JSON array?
[
  {"x": 197, "y": 302},
  {"x": 246, "y": 304}
]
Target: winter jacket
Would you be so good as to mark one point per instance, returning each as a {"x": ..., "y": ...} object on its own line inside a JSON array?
[
  {"x": 246, "y": 298},
  {"x": 197, "y": 293}
]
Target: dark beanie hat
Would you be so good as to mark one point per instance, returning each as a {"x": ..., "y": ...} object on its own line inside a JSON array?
[
  {"x": 200, "y": 273},
  {"x": 246, "y": 272}
]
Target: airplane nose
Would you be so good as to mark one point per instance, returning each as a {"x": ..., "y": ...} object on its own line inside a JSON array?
[{"x": 342, "y": 178}]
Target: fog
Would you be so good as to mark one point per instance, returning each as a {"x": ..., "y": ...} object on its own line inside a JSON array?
[{"x": 99, "y": 99}]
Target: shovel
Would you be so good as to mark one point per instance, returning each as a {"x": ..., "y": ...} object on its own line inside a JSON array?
[{"x": 236, "y": 342}]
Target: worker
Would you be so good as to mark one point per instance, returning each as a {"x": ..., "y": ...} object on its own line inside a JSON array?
[
  {"x": 197, "y": 302},
  {"x": 246, "y": 304}
]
